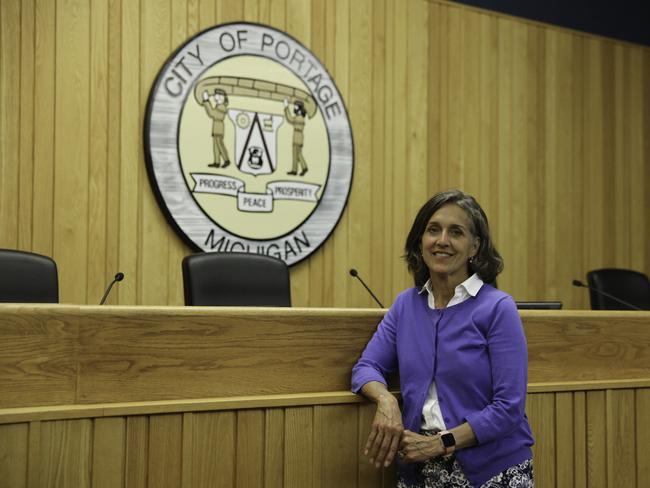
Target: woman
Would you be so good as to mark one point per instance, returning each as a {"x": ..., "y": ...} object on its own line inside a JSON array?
[{"x": 460, "y": 350}]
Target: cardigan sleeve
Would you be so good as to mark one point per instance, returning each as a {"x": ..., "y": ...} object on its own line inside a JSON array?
[
  {"x": 379, "y": 358},
  {"x": 509, "y": 366}
]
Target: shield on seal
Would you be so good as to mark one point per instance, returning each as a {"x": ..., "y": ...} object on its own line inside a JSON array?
[{"x": 255, "y": 140}]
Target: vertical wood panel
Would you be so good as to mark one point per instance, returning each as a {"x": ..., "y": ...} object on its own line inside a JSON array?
[
  {"x": 541, "y": 412},
  {"x": 298, "y": 447},
  {"x": 98, "y": 152},
  {"x": 109, "y": 439},
  {"x": 26, "y": 180},
  {"x": 65, "y": 453},
  {"x": 165, "y": 450},
  {"x": 71, "y": 147},
  {"x": 336, "y": 444},
  {"x": 213, "y": 450},
  {"x": 564, "y": 442},
  {"x": 137, "y": 452},
  {"x": 274, "y": 448},
  {"x": 250, "y": 448},
  {"x": 13, "y": 454},
  {"x": 642, "y": 404},
  {"x": 9, "y": 121},
  {"x": 596, "y": 440},
  {"x": 621, "y": 442},
  {"x": 545, "y": 126}
]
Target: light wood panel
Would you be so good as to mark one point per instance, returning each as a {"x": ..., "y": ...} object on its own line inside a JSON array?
[
  {"x": 311, "y": 445},
  {"x": 544, "y": 125},
  {"x": 61, "y": 354}
]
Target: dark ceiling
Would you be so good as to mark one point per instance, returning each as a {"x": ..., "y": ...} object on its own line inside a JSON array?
[{"x": 628, "y": 20}]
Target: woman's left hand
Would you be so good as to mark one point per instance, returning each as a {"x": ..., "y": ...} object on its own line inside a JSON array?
[{"x": 417, "y": 448}]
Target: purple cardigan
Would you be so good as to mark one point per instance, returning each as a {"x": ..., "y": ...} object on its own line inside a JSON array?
[{"x": 476, "y": 352}]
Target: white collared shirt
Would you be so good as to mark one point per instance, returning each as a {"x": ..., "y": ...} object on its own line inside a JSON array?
[{"x": 431, "y": 414}]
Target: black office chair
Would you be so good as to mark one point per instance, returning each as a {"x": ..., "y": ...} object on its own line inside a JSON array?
[
  {"x": 236, "y": 279},
  {"x": 625, "y": 284},
  {"x": 26, "y": 277}
]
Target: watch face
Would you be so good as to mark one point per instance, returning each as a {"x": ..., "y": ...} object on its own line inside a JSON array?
[{"x": 448, "y": 440}]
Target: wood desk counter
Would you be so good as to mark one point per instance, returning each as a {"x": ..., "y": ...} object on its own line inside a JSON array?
[{"x": 148, "y": 396}]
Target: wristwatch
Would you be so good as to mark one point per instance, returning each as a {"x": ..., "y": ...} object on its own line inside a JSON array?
[{"x": 448, "y": 441}]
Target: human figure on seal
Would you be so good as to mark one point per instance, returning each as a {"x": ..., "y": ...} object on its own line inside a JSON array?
[
  {"x": 217, "y": 114},
  {"x": 297, "y": 120}
]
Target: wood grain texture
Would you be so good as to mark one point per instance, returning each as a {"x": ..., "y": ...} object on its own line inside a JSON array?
[
  {"x": 531, "y": 119},
  {"x": 58, "y": 355}
]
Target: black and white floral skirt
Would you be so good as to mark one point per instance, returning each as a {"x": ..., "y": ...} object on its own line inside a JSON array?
[{"x": 447, "y": 473}]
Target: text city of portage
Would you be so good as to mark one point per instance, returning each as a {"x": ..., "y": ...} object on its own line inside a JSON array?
[{"x": 191, "y": 63}]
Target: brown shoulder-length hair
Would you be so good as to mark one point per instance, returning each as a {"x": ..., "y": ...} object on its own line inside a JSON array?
[{"x": 487, "y": 263}]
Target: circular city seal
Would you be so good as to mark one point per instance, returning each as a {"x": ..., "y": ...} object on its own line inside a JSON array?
[{"x": 248, "y": 143}]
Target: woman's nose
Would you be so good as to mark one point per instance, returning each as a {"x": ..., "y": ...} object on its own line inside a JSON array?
[{"x": 443, "y": 238}]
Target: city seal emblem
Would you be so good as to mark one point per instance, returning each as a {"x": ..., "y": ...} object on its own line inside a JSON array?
[{"x": 248, "y": 143}]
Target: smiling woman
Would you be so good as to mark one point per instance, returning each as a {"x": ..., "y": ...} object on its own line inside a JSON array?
[{"x": 460, "y": 350}]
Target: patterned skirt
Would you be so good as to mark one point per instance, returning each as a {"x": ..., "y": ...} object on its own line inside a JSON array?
[{"x": 445, "y": 472}]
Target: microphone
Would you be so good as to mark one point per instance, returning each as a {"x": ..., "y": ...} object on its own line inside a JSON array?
[
  {"x": 353, "y": 272},
  {"x": 118, "y": 277},
  {"x": 579, "y": 283}
]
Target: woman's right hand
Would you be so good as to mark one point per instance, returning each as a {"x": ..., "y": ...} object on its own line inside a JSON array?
[{"x": 386, "y": 431}]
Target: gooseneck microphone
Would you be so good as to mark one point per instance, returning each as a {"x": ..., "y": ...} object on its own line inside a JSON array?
[
  {"x": 353, "y": 272},
  {"x": 579, "y": 283},
  {"x": 118, "y": 277}
]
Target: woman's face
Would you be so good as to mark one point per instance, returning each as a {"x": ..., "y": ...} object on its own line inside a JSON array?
[{"x": 447, "y": 243}]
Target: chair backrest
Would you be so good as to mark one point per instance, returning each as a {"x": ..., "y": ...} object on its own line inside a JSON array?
[
  {"x": 27, "y": 277},
  {"x": 630, "y": 286},
  {"x": 236, "y": 279}
]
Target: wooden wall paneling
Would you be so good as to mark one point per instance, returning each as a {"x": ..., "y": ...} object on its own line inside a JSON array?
[
  {"x": 642, "y": 405},
  {"x": 634, "y": 154},
  {"x": 359, "y": 104},
  {"x": 368, "y": 475},
  {"x": 65, "y": 453},
  {"x": 298, "y": 14},
  {"x": 621, "y": 438},
  {"x": 318, "y": 275},
  {"x": 533, "y": 162},
  {"x": 9, "y": 121},
  {"x": 379, "y": 231},
  {"x": 165, "y": 450},
  {"x": 71, "y": 147},
  {"x": 137, "y": 452},
  {"x": 114, "y": 147},
  {"x": 645, "y": 103},
  {"x": 207, "y": 14},
  {"x": 400, "y": 178},
  {"x": 26, "y": 160},
  {"x": 393, "y": 246},
  {"x": 14, "y": 454},
  {"x": 274, "y": 456},
  {"x": 579, "y": 439},
  {"x": 98, "y": 153},
  {"x": 34, "y": 460},
  {"x": 329, "y": 279},
  {"x": 229, "y": 10},
  {"x": 608, "y": 149},
  {"x": 250, "y": 448},
  {"x": 108, "y": 452},
  {"x": 596, "y": 440},
  {"x": 564, "y": 440},
  {"x": 299, "y": 447},
  {"x": 416, "y": 97},
  {"x": 593, "y": 176},
  {"x": 453, "y": 117},
  {"x": 43, "y": 150},
  {"x": 183, "y": 21},
  {"x": 620, "y": 162},
  {"x": 213, "y": 443},
  {"x": 340, "y": 70},
  {"x": 251, "y": 10},
  {"x": 541, "y": 412},
  {"x": 335, "y": 444},
  {"x": 131, "y": 187},
  {"x": 153, "y": 238}
]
